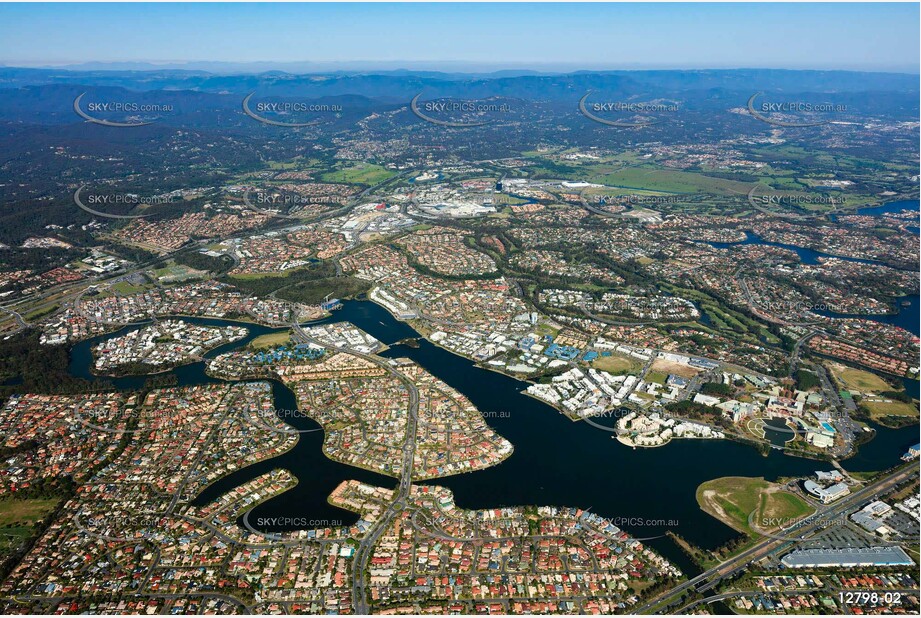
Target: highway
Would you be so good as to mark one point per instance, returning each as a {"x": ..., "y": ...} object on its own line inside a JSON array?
[{"x": 710, "y": 578}]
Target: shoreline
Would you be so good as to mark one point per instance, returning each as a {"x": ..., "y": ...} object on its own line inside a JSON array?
[{"x": 728, "y": 436}]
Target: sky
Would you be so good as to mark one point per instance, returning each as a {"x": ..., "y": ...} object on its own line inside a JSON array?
[{"x": 872, "y": 36}]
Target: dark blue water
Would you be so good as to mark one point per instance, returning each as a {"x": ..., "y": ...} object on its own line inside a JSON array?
[
  {"x": 806, "y": 255},
  {"x": 561, "y": 462},
  {"x": 890, "y": 208},
  {"x": 810, "y": 256},
  {"x": 556, "y": 461},
  {"x": 81, "y": 356},
  {"x": 704, "y": 318},
  {"x": 777, "y": 432},
  {"x": 885, "y": 209},
  {"x": 908, "y": 316},
  {"x": 317, "y": 475}
]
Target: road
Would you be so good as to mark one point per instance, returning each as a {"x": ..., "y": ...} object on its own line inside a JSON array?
[
  {"x": 22, "y": 324},
  {"x": 39, "y": 301},
  {"x": 401, "y": 494},
  {"x": 710, "y": 578},
  {"x": 797, "y": 351}
]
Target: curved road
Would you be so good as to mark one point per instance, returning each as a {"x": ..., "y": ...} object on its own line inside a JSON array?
[{"x": 366, "y": 545}]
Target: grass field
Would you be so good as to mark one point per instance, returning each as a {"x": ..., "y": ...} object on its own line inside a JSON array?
[
  {"x": 40, "y": 313},
  {"x": 619, "y": 192},
  {"x": 123, "y": 288},
  {"x": 11, "y": 538},
  {"x": 617, "y": 365},
  {"x": 858, "y": 380},
  {"x": 546, "y": 329},
  {"x": 363, "y": 173},
  {"x": 267, "y": 275},
  {"x": 879, "y": 409},
  {"x": 669, "y": 181},
  {"x": 732, "y": 499},
  {"x": 173, "y": 270},
  {"x": 270, "y": 340},
  {"x": 15, "y": 512},
  {"x": 297, "y": 164},
  {"x": 315, "y": 291}
]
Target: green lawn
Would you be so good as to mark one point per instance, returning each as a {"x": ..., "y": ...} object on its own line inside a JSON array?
[
  {"x": 15, "y": 512},
  {"x": 617, "y": 365},
  {"x": 362, "y": 173},
  {"x": 669, "y": 181},
  {"x": 733, "y": 499},
  {"x": 270, "y": 340}
]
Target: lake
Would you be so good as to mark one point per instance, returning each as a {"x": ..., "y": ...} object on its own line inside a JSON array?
[{"x": 556, "y": 461}]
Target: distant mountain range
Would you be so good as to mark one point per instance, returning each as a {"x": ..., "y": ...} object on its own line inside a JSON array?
[
  {"x": 519, "y": 83},
  {"x": 27, "y": 91}
]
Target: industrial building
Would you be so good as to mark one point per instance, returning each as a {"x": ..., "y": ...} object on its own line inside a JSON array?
[{"x": 852, "y": 557}]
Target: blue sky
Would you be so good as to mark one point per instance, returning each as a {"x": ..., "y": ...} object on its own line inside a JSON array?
[{"x": 591, "y": 36}]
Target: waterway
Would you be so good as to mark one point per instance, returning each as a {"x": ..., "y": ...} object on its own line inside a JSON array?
[
  {"x": 556, "y": 461},
  {"x": 907, "y": 316},
  {"x": 889, "y": 208},
  {"x": 811, "y": 256},
  {"x": 778, "y": 432},
  {"x": 907, "y": 313},
  {"x": 806, "y": 255},
  {"x": 317, "y": 475}
]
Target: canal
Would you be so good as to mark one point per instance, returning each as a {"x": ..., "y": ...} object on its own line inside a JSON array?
[{"x": 556, "y": 461}]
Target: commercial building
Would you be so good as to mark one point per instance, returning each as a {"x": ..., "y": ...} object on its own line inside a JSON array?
[
  {"x": 852, "y": 557},
  {"x": 827, "y": 494}
]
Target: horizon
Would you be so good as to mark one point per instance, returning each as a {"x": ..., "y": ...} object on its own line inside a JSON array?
[
  {"x": 879, "y": 37},
  {"x": 360, "y": 67}
]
